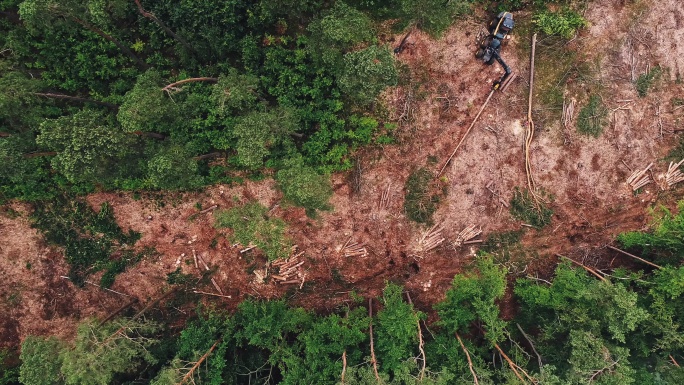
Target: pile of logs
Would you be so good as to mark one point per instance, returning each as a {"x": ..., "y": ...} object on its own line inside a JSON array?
[
  {"x": 639, "y": 178},
  {"x": 289, "y": 271},
  {"x": 430, "y": 240},
  {"x": 466, "y": 235},
  {"x": 673, "y": 175},
  {"x": 353, "y": 249}
]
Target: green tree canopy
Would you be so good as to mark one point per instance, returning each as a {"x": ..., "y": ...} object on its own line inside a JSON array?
[
  {"x": 367, "y": 72},
  {"x": 304, "y": 187},
  {"x": 87, "y": 148}
]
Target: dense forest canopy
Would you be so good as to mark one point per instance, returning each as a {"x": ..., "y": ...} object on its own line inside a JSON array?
[{"x": 158, "y": 95}]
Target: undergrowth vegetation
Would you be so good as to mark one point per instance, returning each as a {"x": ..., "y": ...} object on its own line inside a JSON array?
[
  {"x": 423, "y": 194},
  {"x": 532, "y": 211},
  {"x": 646, "y": 81},
  {"x": 252, "y": 226},
  {"x": 592, "y": 118},
  {"x": 92, "y": 241}
]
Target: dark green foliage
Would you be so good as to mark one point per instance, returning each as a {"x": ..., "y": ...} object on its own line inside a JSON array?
[
  {"x": 252, "y": 225},
  {"x": 526, "y": 208},
  {"x": 564, "y": 23},
  {"x": 592, "y": 117},
  {"x": 421, "y": 198},
  {"x": 304, "y": 187},
  {"x": 396, "y": 331},
  {"x": 90, "y": 239},
  {"x": 88, "y": 149},
  {"x": 645, "y": 81}
]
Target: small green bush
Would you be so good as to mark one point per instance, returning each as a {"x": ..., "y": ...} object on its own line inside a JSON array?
[
  {"x": 251, "y": 224},
  {"x": 304, "y": 187},
  {"x": 421, "y": 200},
  {"x": 645, "y": 81},
  {"x": 592, "y": 118},
  {"x": 563, "y": 23},
  {"x": 525, "y": 208}
]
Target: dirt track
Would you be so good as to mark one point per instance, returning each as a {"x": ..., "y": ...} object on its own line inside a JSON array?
[{"x": 585, "y": 175}]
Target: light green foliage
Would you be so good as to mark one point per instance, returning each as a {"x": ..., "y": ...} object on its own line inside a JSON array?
[
  {"x": 645, "y": 81},
  {"x": 304, "y": 187},
  {"x": 564, "y": 23},
  {"x": 146, "y": 108},
  {"x": 337, "y": 31},
  {"x": 251, "y": 225},
  {"x": 577, "y": 301},
  {"x": 666, "y": 308},
  {"x": 40, "y": 361},
  {"x": 396, "y": 331},
  {"x": 473, "y": 297},
  {"x": 367, "y": 72},
  {"x": 592, "y": 117},
  {"x": 235, "y": 93},
  {"x": 18, "y": 108},
  {"x": 664, "y": 241},
  {"x": 88, "y": 149},
  {"x": 98, "y": 354},
  {"x": 257, "y": 132},
  {"x": 593, "y": 361},
  {"x": 172, "y": 168}
]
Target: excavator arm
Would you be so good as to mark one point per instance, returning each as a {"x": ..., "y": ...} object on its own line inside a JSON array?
[{"x": 506, "y": 68}]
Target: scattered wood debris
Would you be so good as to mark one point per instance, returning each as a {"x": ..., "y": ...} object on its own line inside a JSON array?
[
  {"x": 429, "y": 241},
  {"x": 674, "y": 175},
  {"x": 568, "y": 112},
  {"x": 640, "y": 178},
  {"x": 353, "y": 249},
  {"x": 466, "y": 235}
]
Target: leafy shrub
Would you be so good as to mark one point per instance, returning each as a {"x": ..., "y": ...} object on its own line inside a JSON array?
[
  {"x": 40, "y": 361},
  {"x": 564, "y": 23},
  {"x": 525, "y": 208},
  {"x": 367, "y": 72},
  {"x": 664, "y": 240},
  {"x": 592, "y": 118},
  {"x": 304, "y": 187},
  {"x": 421, "y": 197},
  {"x": 645, "y": 81},
  {"x": 251, "y": 225}
]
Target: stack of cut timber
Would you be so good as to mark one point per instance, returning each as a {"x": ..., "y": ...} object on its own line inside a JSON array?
[
  {"x": 353, "y": 249},
  {"x": 673, "y": 175},
  {"x": 465, "y": 236},
  {"x": 639, "y": 178},
  {"x": 289, "y": 270},
  {"x": 430, "y": 240}
]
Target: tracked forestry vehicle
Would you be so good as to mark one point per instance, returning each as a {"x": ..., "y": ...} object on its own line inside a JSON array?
[{"x": 489, "y": 47}]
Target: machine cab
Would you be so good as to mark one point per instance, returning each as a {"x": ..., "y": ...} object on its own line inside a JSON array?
[{"x": 501, "y": 25}]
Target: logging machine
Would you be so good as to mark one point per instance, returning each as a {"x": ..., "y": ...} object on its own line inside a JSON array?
[{"x": 489, "y": 47}]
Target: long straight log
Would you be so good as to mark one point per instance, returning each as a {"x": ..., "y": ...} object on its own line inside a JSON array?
[
  {"x": 374, "y": 361},
  {"x": 530, "y": 122},
  {"x": 190, "y": 80},
  {"x": 588, "y": 269},
  {"x": 510, "y": 363},
  {"x": 470, "y": 362},
  {"x": 467, "y": 132},
  {"x": 74, "y": 98},
  {"x": 634, "y": 256},
  {"x": 119, "y": 310},
  {"x": 198, "y": 363}
]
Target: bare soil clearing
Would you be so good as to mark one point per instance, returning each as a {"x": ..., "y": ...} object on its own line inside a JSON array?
[{"x": 586, "y": 176}]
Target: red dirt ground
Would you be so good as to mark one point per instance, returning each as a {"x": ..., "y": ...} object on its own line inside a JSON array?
[{"x": 586, "y": 176}]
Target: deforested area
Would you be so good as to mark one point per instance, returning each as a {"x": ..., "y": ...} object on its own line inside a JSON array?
[{"x": 341, "y": 192}]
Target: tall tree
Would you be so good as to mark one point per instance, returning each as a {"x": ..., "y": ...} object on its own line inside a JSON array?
[{"x": 87, "y": 148}]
